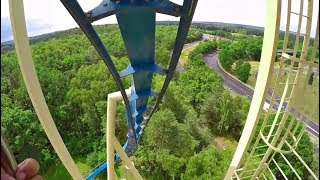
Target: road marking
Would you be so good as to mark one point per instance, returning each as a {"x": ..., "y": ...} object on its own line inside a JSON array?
[
  {"x": 210, "y": 63},
  {"x": 308, "y": 126}
]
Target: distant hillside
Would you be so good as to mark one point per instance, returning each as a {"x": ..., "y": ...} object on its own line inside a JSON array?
[
  {"x": 48, "y": 35},
  {"x": 9, "y": 45},
  {"x": 228, "y": 27},
  {"x": 228, "y": 24}
]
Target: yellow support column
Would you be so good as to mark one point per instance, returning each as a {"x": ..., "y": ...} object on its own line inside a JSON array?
[
  {"x": 113, "y": 143},
  {"x": 268, "y": 55},
  {"x": 31, "y": 81}
]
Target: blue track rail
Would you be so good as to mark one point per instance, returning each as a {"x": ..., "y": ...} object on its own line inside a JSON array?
[{"x": 136, "y": 19}]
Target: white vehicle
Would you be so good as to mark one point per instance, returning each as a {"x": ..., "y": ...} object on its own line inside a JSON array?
[{"x": 266, "y": 106}]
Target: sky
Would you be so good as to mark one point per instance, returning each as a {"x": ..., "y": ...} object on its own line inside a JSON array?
[{"x": 50, "y": 15}]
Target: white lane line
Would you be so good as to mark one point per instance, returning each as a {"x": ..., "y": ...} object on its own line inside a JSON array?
[
  {"x": 308, "y": 126},
  {"x": 244, "y": 92},
  {"x": 239, "y": 88}
]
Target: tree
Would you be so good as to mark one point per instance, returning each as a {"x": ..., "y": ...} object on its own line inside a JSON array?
[
  {"x": 166, "y": 144},
  {"x": 210, "y": 163},
  {"x": 197, "y": 60},
  {"x": 90, "y": 85},
  {"x": 196, "y": 84},
  {"x": 226, "y": 109},
  {"x": 243, "y": 72},
  {"x": 162, "y": 56},
  {"x": 239, "y": 49},
  {"x": 224, "y": 113},
  {"x": 20, "y": 128},
  {"x": 172, "y": 164},
  {"x": 198, "y": 129},
  {"x": 226, "y": 58},
  {"x": 304, "y": 148},
  {"x": 203, "y": 48},
  {"x": 76, "y": 82},
  {"x": 164, "y": 132},
  {"x": 223, "y": 44},
  {"x": 254, "y": 48}
]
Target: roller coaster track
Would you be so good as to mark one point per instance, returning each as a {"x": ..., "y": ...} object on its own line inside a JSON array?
[{"x": 136, "y": 21}]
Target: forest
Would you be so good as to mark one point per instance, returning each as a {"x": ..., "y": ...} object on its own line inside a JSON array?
[{"x": 76, "y": 83}]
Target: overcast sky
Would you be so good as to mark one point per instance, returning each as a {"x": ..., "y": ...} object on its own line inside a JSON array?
[{"x": 44, "y": 16}]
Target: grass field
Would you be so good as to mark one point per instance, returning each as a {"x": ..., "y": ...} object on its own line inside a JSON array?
[
  {"x": 307, "y": 102},
  {"x": 185, "y": 53},
  {"x": 254, "y": 69},
  {"x": 58, "y": 171},
  {"x": 225, "y": 142}
]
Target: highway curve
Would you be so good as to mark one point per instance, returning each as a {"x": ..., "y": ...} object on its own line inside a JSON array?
[{"x": 211, "y": 60}]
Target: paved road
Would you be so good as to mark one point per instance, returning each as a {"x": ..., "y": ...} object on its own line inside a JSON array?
[
  {"x": 211, "y": 60},
  {"x": 237, "y": 87},
  {"x": 179, "y": 67}
]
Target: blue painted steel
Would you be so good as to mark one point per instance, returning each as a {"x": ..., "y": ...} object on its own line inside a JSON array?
[
  {"x": 189, "y": 6},
  {"x": 110, "y": 7},
  {"x": 97, "y": 170},
  {"x": 77, "y": 13},
  {"x": 137, "y": 27},
  {"x": 136, "y": 19},
  {"x": 152, "y": 68}
]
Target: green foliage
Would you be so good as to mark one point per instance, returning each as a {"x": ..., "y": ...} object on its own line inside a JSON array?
[
  {"x": 162, "y": 135},
  {"x": 75, "y": 82},
  {"x": 194, "y": 34},
  {"x": 305, "y": 149},
  {"x": 226, "y": 58},
  {"x": 21, "y": 127},
  {"x": 162, "y": 56},
  {"x": 244, "y": 48},
  {"x": 254, "y": 48},
  {"x": 243, "y": 71},
  {"x": 170, "y": 163},
  {"x": 198, "y": 128},
  {"x": 238, "y": 49},
  {"x": 210, "y": 163},
  {"x": 221, "y": 44},
  {"x": 225, "y": 114},
  {"x": 221, "y": 33},
  {"x": 203, "y": 48},
  {"x": 233, "y": 28},
  {"x": 198, "y": 83},
  {"x": 166, "y": 143}
]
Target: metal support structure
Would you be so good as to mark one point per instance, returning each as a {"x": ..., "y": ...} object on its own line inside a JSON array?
[
  {"x": 113, "y": 143},
  {"x": 266, "y": 67},
  {"x": 137, "y": 25},
  {"x": 21, "y": 42},
  {"x": 281, "y": 136}
]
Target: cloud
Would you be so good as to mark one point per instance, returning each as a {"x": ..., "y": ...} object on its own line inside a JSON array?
[{"x": 34, "y": 27}]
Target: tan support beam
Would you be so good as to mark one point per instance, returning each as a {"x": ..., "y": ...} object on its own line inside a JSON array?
[
  {"x": 126, "y": 160},
  {"x": 110, "y": 130},
  {"x": 268, "y": 55},
  {"x": 31, "y": 81},
  {"x": 113, "y": 143}
]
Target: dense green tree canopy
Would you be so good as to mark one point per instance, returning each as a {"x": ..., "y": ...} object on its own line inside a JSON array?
[
  {"x": 178, "y": 141},
  {"x": 243, "y": 71}
]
